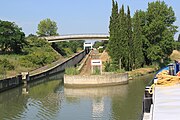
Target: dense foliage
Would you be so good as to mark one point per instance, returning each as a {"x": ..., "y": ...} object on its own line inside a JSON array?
[
  {"x": 100, "y": 45},
  {"x": 68, "y": 48},
  {"x": 38, "y": 53},
  {"x": 18, "y": 53},
  {"x": 12, "y": 39},
  {"x": 113, "y": 31},
  {"x": 137, "y": 43},
  {"x": 146, "y": 38},
  {"x": 97, "y": 44},
  {"x": 159, "y": 31},
  {"x": 47, "y": 27}
]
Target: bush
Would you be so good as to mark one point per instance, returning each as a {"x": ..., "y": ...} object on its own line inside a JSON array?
[
  {"x": 101, "y": 50},
  {"x": 109, "y": 67},
  {"x": 36, "y": 42},
  {"x": 96, "y": 71},
  {"x": 5, "y": 64},
  {"x": 68, "y": 51},
  {"x": 120, "y": 71},
  {"x": 71, "y": 71},
  {"x": 39, "y": 56}
]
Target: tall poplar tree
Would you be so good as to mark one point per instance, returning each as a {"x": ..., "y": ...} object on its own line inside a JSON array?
[
  {"x": 138, "y": 57},
  {"x": 113, "y": 31},
  {"x": 123, "y": 40},
  {"x": 129, "y": 37}
]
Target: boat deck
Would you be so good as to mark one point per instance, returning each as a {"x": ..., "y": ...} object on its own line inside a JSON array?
[{"x": 166, "y": 103}]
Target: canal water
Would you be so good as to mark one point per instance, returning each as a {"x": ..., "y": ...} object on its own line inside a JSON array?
[{"x": 48, "y": 99}]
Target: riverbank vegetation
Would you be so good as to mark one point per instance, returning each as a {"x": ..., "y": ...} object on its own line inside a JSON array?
[
  {"x": 71, "y": 71},
  {"x": 36, "y": 53},
  {"x": 66, "y": 49},
  {"x": 147, "y": 38},
  {"x": 19, "y": 53}
]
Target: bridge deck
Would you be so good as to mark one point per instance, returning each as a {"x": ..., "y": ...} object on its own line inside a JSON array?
[
  {"x": 166, "y": 103},
  {"x": 77, "y": 37}
]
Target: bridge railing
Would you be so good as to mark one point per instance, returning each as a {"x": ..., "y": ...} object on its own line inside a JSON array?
[{"x": 84, "y": 34}]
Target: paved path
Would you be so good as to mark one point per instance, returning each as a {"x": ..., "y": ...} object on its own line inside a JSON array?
[{"x": 86, "y": 70}]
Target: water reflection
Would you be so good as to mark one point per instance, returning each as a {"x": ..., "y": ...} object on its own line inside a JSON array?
[
  {"x": 97, "y": 92},
  {"x": 25, "y": 89},
  {"x": 34, "y": 100},
  {"x": 99, "y": 97},
  {"x": 48, "y": 99}
]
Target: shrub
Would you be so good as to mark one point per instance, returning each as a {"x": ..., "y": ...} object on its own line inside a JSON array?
[
  {"x": 96, "y": 71},
  {"x": 68, "y": 51},
  {"x": 36, "y": 42},
  {"x": 71, "y": 71},
  {"x": 101, "y": 50},
  {"x": 39, "y": 56},
  {"x": 110, "y": 67},
  {"x": 5, "y": 64}
]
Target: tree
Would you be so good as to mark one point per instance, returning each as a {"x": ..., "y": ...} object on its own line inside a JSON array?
[
  {"x": 12, "y": 39},
  {"x": 120, "y": 40},
  {"x": 113, "y": 31},
  {"x": 130, "y": 41},
  {"x": 137, "y": 43},
  {"x": 47, "y": 27},
  {"x": 123, "y": 48},
  {"x": 98, "y": 43},
  {"x": 159, "y": 30},
  {"x": 145, "y": 41}
]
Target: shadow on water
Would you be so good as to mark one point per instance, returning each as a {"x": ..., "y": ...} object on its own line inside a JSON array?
[{"x": 49, "y": 99}]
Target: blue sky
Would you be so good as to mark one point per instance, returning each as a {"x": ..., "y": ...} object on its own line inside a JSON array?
[{"x": 71, "y": 16}]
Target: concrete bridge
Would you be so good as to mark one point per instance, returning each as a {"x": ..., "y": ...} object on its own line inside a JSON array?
[{"x": 77, "y": 37}]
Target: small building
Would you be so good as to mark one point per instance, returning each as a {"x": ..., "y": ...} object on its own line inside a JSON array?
[{"x": 88, "y": 45}]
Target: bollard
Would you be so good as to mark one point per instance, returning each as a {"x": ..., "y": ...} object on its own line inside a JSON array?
[{"x": 25, "y": 77}]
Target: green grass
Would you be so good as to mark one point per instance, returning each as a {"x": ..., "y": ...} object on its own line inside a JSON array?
[
  {"x": 96, "y": 71},
  {"x": 35, "y": 54},
  {"x": 14, "y": 60},
  {"x": 71, "y": 71}
]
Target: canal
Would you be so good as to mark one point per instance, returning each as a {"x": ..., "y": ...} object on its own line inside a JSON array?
[{"x": 48, "y": 99}]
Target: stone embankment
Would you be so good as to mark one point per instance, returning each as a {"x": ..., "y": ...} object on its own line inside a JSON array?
[
  {"x": 86, "y": 79},
  {"x": 95, "y": 80}
]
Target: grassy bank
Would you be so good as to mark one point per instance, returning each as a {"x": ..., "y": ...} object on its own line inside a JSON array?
[{"x": 35, "y": 54}]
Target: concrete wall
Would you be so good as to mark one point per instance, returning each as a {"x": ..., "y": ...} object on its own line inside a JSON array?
[
  {"x": 12, "y": 82},
  {"x": 8, "y": 83},
  {"x": 95, "y": 80},
  {"x": 72, "y": 61}
]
